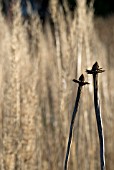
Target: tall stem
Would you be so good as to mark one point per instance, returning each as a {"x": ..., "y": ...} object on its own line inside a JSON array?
[
  {"x": 81, "y": 83},
  {"x": 72, "y": 124},
  {"x": 99, "y": 121},
  {"x": 94, "y": 71}
]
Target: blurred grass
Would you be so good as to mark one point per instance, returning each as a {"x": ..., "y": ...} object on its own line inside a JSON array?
[{"x": 37, "y": 66}]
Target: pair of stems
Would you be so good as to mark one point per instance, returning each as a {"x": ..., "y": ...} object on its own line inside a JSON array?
[{"x": 94, "y": 71}]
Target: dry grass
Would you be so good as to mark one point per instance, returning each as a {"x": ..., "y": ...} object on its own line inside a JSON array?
[{"x": 37, "y": 94}]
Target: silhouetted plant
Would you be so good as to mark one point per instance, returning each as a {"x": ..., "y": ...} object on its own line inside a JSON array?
[
  {"x": 94, "y": 71},
  {"x": 81, "y": 83}
]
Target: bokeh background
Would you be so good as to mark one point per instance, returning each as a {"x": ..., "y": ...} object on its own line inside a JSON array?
[{"x": 43, "y": 46}]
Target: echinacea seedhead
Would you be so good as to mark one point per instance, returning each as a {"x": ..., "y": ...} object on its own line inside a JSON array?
[
  {"x": 81, "y": 78},
  {"x": 81, "y": 81},
  {"x": 95, "y": 69},
  {"x": 95, "y": 66}
]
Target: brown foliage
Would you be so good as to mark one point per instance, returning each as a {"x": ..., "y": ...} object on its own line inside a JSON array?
[{"x": 37, "y": 94}]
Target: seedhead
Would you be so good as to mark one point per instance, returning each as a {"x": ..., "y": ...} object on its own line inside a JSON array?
[
  {"x": 81, "y": 81},
  {"x": 95, "y": 69}
]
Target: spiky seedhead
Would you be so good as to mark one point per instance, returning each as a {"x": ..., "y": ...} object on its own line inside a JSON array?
[
  {"x": 81, "y": 81},
  {"x": 95, "y": 69},
  {"x": 95, "y": 66}
]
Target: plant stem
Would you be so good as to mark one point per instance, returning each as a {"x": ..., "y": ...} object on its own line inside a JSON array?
[
  {"x": 95, "y": 70},
  {"x": 81, "y": 83}
]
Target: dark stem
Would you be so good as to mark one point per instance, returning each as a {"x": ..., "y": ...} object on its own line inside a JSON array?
[
  {"x": 99, "y": 121},
  {"x": 72, "y": 124}
]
